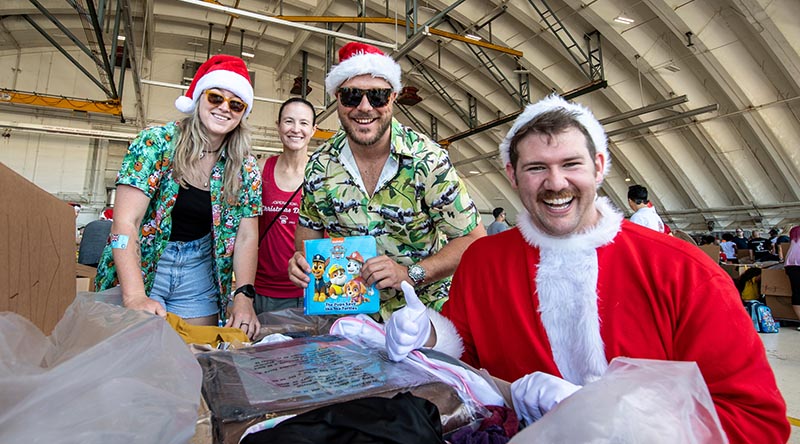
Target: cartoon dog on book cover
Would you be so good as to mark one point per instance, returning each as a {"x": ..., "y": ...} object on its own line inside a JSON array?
[
  {"x": 336, "y": 269},
  {"x": 318, "y": 265},
  {"x": 356, "y": 291}
]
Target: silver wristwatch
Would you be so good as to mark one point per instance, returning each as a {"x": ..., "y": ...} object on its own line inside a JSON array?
[{"x": 416, "y": 273}]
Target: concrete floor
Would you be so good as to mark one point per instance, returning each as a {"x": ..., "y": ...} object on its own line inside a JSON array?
[{"x": 783, "y": 352}]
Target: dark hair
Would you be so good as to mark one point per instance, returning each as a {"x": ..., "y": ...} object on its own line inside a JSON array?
[
  {"x": 550, "y": 124},
  {"x": 727, "y": 237},
  {"x": 497, "y": 211},
  {"x": 748, "y": 274},
  {"x": 637, "y": 193},
  {"x": 773, "y": 232},
  {"x": 298, "y": 100}
]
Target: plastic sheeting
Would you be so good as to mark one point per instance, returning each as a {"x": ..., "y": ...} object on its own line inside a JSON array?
[
  {"x": 635, "y": 401},
  {"x": 301, "y": 374},
  {"x": 246, "y": 386},
  {"x": 105, "y": 375}
]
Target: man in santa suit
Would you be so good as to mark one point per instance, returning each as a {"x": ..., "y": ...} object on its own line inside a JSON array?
[{"x": 549, "y": 303}]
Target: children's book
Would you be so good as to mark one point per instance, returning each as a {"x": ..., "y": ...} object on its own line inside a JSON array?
[{"x": 336, "y": 284}]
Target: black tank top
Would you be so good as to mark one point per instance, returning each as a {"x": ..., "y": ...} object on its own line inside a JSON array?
[{"x": 191, "y": 217}]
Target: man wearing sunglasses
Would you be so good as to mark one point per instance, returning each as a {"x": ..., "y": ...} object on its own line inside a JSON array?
[{"x": 378, "y": 177}]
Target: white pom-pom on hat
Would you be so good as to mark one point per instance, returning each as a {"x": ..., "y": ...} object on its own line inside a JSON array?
[{"x": 184, "y": 104}]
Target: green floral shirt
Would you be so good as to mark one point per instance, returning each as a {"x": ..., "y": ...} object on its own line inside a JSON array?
[
  {"x": 148, "y": 167},
  {"x": 411, "y": 216}
]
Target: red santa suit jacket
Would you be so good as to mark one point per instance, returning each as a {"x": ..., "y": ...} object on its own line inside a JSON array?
[{"x": 523, "y": 301}]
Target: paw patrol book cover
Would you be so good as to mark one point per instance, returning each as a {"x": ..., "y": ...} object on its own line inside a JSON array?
[{"x": 336, "y": 284}]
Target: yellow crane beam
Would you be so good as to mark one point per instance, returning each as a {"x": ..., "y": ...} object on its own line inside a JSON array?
[
  {"x": 323, "y": 134},
  {"x": 113, "y": 107},
  {"x": 398, "y": 22}
]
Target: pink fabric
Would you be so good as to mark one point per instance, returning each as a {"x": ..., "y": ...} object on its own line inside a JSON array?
[
  {"x": 272, "y": 277},
  {"x": 657, "y": 299},
  {"x": 793, "y": 255}
]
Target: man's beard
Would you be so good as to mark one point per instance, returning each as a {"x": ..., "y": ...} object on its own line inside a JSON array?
[{"x": 358, "y": 138}]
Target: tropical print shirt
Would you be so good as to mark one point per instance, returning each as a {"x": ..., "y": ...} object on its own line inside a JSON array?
[
  {"x": 411, "y": 216},
  {"x": 147, "y": 166}
]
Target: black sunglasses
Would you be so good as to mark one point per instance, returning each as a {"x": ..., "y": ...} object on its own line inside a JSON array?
[
  {"x": 234, "y": 104},
  {"x": 351, "y": 97}
]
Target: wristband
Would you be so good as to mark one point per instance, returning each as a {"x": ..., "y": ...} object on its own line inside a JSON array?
[{"x": 247, "y": 290}]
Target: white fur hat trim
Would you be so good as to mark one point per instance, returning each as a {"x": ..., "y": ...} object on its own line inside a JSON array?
[{"x": 551, "y": 103}]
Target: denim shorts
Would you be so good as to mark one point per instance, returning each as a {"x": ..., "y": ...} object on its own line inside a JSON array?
[{"x": 185, "y": 282}]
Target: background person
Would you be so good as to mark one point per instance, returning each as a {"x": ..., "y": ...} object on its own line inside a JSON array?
[
  {"x": 792, "y": 268},
  {"x": 740, "y": 240},
  {"x": 643, "y": 212},
  {"x": 185, "y": 215},
  {"x": 93, "y": 241},
  {"x": 377, "y": 177},
  {"x": 728, "y": 247},
  {"x": 573, "y": 280},
  {"x": 282, "y": 179},
  {"x": 761, "y": 247},
  {"x": 499, "y": 225}
]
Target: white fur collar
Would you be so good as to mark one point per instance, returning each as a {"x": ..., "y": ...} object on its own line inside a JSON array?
[
  {"x": 603, "y": 233},
  {"x": 566, "y": 283}
]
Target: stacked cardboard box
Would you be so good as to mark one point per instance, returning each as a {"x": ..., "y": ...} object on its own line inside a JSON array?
[
  {"x": 37, "y": 251},
  {"x": 778, "y": 291},
  {"x": 711, "y": 250}
]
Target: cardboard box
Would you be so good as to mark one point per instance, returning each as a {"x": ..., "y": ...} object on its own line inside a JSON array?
[
  {"x": 711, "y": 250},
  {"x": 84, "y": 277},
  {"x": 774, "y": 282},
  {"x": 246, "y": 386},
  {"x": 745, "y": 256},
  {"x": 734, "y": 270},
  {"x": 37, "y": 251},
  {"x": 781, "y": 307},
  {"x": 783, "y": 250}
]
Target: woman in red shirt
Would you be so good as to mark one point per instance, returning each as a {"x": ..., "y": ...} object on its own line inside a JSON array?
[{"x": 282, "y": 178}]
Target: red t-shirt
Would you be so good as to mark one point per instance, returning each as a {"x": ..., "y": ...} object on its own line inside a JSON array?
[{"x": 272, "y": 277}]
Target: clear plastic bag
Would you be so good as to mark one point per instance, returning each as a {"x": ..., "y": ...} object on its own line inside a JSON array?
[
  {"x": 105, "y": 375},
  {"x": 636, "y": 401}
]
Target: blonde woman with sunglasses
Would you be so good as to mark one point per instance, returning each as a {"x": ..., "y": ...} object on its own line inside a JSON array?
[{"x": 187, "y": 206}]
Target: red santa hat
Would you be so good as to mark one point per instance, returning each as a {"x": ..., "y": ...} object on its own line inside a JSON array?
[
  {"x": 356, "y": 59},
  {"x": 221, "y": 71},
  {"x": 554, "y": 102},
  {"x": 356, "y": 256}
]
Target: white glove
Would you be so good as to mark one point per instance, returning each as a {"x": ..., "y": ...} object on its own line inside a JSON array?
[
  {"x": 409, "y": 328},
  {"x": 537, "y": 393}
]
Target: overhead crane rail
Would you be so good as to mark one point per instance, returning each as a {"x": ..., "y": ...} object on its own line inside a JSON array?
[
  {"x": 402, "y": 23},
  {"x": 109, "y": 106}
]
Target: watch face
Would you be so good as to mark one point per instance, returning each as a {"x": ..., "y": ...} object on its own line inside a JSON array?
[{"x": 416, "y": 273}]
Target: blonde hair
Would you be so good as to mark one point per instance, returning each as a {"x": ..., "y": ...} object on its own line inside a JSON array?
[{"x": 194, "y": 139}]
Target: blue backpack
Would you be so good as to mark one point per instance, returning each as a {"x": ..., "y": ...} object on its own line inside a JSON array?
[{"x": 762, "y": 317}]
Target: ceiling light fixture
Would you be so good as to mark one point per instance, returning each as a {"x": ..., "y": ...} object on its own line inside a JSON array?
[
  {"x": 624, "y": 19},
  {"x": 121, "y": 38},
  {"x": 249, "y": 55},
  {"x": 672, "y": 67},
  {"x": 473, "y": 37}
]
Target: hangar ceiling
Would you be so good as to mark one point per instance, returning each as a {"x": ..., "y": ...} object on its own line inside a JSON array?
[{"x": 699, "y": 97}]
